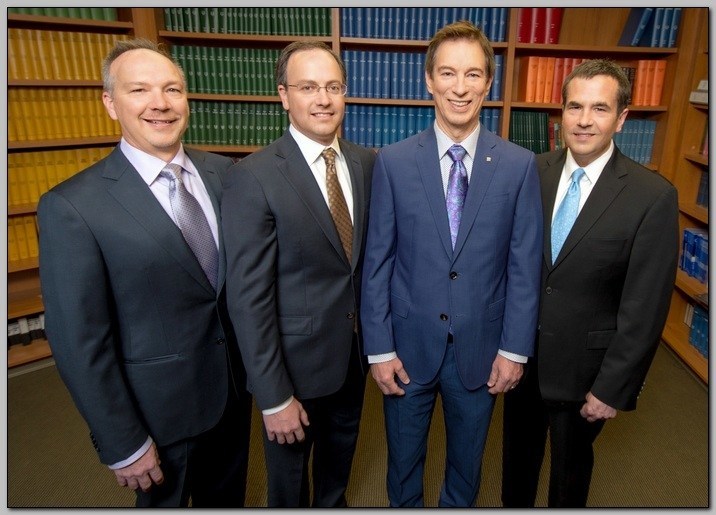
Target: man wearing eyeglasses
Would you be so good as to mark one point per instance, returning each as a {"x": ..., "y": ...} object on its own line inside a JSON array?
[{"x": 294, "y": 217}]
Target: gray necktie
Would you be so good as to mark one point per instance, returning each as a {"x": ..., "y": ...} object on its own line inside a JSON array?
[{"x": 192, "y": 222}]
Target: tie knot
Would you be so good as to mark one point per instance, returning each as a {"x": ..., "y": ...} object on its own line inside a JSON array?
[
  {"x": 171, "y": 171},
  {"x": 329, "y": 155},
  {"x": 577, "y": 175},
  {"x": 456, "y": 152}
]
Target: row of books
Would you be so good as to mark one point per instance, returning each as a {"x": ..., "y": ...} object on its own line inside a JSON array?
[
  {"x": 287, "y": 21},
  {"x": 377, "y": 126},
  {"x": 697, "y": 318},
  {"x": 636, "y": 139},
  {"x": 695, "y": 253},
  {"x": 541, "y": 77},
  {"x": 235, "y": 123},
  {"x": 648, "y": 83},
  {"x": 88, "y": 13},
  {"x": 419, "y": 23},
  {"x": 25, "y": 330},
  {"x": 651, "y": 27},
  {"x": 22, "y": 243},
  {"x": 702, "y": 194},
  {"x": 231, "y": 71},
  {"x": 50, "y": 113},
  {"x": 399, "y": 75},
  {"x": 30, "y": 174},
  {"x": 57, "y": 55},
  {"x": 530, "y": 129},
  {"x": 539, "y": 24},
  {"x": 701, "y": 94}
]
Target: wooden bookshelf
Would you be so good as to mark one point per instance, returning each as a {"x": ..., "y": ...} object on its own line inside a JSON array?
[{"x": 584, "y": 32}]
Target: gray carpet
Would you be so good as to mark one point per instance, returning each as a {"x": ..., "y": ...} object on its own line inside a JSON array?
[{"x": 657, "y": 456}]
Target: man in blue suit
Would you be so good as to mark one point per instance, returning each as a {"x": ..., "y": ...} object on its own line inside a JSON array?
[{"x": 451, "y": 274}]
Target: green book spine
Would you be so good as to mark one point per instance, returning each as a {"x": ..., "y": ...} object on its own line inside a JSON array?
[
  {"x": 230, "y": 124},
  {"x": 204, "y": 19},
  {"x": 110, "y": 13},
  {"x": 168, "y": 21},
  {"x": 212, "y": 70}
]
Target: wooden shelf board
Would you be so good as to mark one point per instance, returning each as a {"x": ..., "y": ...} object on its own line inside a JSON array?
[
  {"x": 697, "y": 158},
  {"x": 678, "y": 339},
  {"x": 597, "y": 49},
  {"x": 42, "y": 83},
  {"x": 22, "y": 264},
  {"x": 261, "y": 38},
  {"x": 20, "y": 304},
  {"x": 700, "y": 213},
  {"x": 65, "y": 142},
  {"x": 54, "y": 22},
  {"x": 21, "y": 354},
  {"x": 22, "y": 209},
  {"x": 690, "y": 285}
]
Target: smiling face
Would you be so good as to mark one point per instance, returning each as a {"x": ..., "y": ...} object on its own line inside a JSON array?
[
  {"x": 459, "y": 84},
  {"x": 149, "y": 101},
  {"x": 316, "y": 116},
  {"x": 590, "y": 117}
]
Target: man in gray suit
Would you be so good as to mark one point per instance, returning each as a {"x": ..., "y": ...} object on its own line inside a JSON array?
[
  {"x": 137, "y": 325},
  {"x": 293, "y": 219}
]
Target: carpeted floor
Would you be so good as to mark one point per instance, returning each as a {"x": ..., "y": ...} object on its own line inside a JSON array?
[{"x": 657, "y": 456}]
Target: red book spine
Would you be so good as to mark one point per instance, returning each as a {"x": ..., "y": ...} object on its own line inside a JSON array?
[{"x": 524, "y": 24}]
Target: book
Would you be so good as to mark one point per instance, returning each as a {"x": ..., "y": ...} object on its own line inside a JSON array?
[
  {"x": 635, "y": 25},
  {"x": 524, "y": 24},
  {"x": 553, "y": 24},
  {"x": 528, "y": 78},
  {"x": 674, "y": 29},
  {"x": 537, "y": 30},
  {"x": 665, "y": 27},
  {"x": 657, "y": 82},
  {"x": 650, "y": 37}
]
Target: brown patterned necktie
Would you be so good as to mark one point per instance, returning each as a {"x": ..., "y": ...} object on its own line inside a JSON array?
[{"x": 337, "y": 203}]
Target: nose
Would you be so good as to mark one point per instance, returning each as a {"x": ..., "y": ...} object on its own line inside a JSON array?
[
  {"x": 585, "y": 117},
  {"x": 159, "y": 101},
  {"x": 323, "y": 97}
]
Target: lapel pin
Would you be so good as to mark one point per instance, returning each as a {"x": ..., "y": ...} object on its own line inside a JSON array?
[{"x": 488, "y": 159}]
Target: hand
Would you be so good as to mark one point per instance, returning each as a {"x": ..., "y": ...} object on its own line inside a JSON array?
[
  {"x": 286, "y": 426},
  {"x": 594, "y": 409},
  {"x": 143, "y": 472},
  {"x": 384, "y": 374},
  {"x": 505, "y": 375}
]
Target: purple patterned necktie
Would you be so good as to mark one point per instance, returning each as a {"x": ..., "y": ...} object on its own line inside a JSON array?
[
  {"x": 456, "y": 190},
  {"x": 192, "y": 222}
]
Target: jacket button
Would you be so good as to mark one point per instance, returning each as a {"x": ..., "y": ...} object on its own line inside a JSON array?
[
  {"x": 220, "y": 341},
  {"x": 350, "y": 316},
  {"x": 453, "y": 275},
  {"x": 443, "y": 316},
  {"x": 548, "y": 290}
]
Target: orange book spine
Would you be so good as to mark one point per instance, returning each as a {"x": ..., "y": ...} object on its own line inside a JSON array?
[
  {"x": 528, "y": 78},
  {"x": 548, "y": 80},
  {"x": 556, "y": 95},
  {"x": 540, "y": 81},
  {"x": 657, "y": 84},
  {"x": 639, "y": 83}
]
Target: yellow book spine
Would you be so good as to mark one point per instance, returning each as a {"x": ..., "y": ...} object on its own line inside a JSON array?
[
  {"x": 55, "y": 48},
  {"x": 13, "y": 184},
  {"x": 33, "y": 246},
  {"x": 13, "y": 253},
  {"x": 55, "y": 123},
  {"x": 27, "y": 60},
  {"x": 43, "y": 54},
  {"x": 66, "y": 58},
  {"x": 70, "y": 164},
  {"x": 83, "y": 55},
  {"x": 16, "y": 127},
  {"x": 22, "y": 182},
  {"x": 31, "y": 178},
  {"x": 21, "y": 237},
  {"x": 51, "y": 168},
  {"x": 14, "y": 58},
  {"x": 38, "y": 161},
  {"x": 82, "y": 156}
]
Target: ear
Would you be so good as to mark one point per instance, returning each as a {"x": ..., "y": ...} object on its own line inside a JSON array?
[
  {"x": 284, "y": 96},
  {"x": 429, "y": 82},
  {"x": 109, "y": 105},
  {"x": 621, "y": 119}
]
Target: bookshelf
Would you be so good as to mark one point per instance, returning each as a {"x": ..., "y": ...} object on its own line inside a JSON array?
[
  {"x": 687, "y": 166},
  {"x": 585, "y": 33}
]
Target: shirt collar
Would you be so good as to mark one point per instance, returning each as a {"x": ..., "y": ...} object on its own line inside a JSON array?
[
  {"x": 148, "y": 165},
  {"x": 311, "y": 149},
  {"x": 444, "y": 141},
  {"x": 594, "y": 169}
]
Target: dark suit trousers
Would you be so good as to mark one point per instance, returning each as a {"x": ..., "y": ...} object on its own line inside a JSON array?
[
  {"x": 332, "y": 435},
  {"x": 526, "y": 420},
  {"x": 209, "y": 468}
]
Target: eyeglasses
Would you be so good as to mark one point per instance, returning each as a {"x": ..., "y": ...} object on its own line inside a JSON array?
[{"x": 310, "y": 89}]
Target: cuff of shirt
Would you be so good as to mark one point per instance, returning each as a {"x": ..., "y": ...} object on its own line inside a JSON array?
[
  {"x": 134, "y": 457},
  {"x": 278, "y": 408},
  {"x": 517, "y": 358},
  {"x": 382, "y": 358}
]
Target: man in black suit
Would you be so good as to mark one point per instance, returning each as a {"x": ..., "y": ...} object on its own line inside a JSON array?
[
  {"x": 137, "y": 325},
  {"x": 293, "y": 280},
  {"x": 605, "y": 294}
]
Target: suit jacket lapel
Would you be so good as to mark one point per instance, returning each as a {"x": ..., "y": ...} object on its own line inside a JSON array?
[
  {"x": 603, "y": 194},
  {"x": 428, "y": 165},
  {"x": 483, "y": 170},
  {"x": 132, "y": 193},
  {"x": 358, "y": 186},
  {"x": 294, "y": 168},
  {"x": 549, "y": 178},
  {"x": 213, "y": 185}
]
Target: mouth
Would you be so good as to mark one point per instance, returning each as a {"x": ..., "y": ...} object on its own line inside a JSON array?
[
  {"x": 160, "y": 122},
  {"x": 459, "y": 104},
  {"x": 322, "y": 115}
]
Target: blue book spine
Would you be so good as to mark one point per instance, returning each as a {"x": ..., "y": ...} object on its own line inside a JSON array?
[
  {"x": 412, "y": 121},
  {"x": 410, "y": 94},
  {"x": 370, "y": 74},
  {"x": 370, "y": 126},
  {"x": 394, "y": 74},
  {"x": 674, "y": 29},
  {"x": 362, "y": 61},
  {"x": 385, "y": 74},
  {"x": 494, "y": 23},
  {"x": 635, "y": 26},
  {"x": 496, "y": 88},
  {"x": 656, "y": 29},
  {"x": 503, "y": 25},
  {"x": 665, "y": 27},
  {"x": 403, "y": 75}
]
